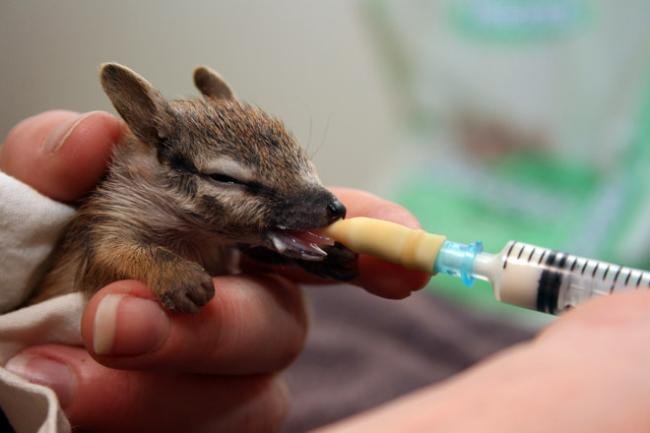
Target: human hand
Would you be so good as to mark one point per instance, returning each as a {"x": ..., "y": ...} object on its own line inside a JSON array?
[
  {"x": 144, "y": 368},
  {"x": 585, "y": 373}
]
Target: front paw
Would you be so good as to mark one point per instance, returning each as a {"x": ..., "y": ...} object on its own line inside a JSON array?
[
  {"x": 340, "y": 264},
  {"x": 184, "y": 288}
]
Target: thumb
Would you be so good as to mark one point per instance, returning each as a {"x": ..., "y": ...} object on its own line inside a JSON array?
[
  {"x": 61, "y": 154},
  {"x": 99, "y": 399}
]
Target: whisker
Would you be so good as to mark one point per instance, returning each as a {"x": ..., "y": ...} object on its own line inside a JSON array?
[
  {"x": 311, "y": 118},
  {"x": 327, "y": 127}
]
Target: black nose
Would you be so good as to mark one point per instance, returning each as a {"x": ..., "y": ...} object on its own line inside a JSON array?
[{"x": 335, "y": 210}]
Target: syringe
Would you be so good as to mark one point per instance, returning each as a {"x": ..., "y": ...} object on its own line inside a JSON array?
[{"x": 521, "y": 274}]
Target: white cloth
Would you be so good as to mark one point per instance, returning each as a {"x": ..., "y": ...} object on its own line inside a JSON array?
[{"x": 30, "y": 224}]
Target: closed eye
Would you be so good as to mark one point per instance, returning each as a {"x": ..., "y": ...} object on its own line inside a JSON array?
[
  {"x": 250, "y": 185},
  {"x": 224, "y": 178}
]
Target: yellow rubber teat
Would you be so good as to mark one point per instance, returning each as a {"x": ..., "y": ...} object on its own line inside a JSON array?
[{"x": 411, "y": 248}]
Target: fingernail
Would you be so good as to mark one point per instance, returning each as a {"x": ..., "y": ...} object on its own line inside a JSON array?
[
  {"x": 46, "y": 371},
  {"x": 128, "y": 325},
  {"x": 60, "y": 134}
]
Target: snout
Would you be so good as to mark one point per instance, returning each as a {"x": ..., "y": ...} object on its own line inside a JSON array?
[
  {"x": 312, "y": 208},
  {"x": 292, "y": 230}
]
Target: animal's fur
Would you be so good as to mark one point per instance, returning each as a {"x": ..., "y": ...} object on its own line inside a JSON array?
[{"x": 160, "y": 215}]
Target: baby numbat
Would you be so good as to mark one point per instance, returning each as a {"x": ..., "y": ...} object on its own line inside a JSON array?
[{"x": 192, "y": 183}]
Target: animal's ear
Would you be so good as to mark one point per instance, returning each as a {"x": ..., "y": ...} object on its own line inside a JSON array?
[
  {"x": 211, "y": 84},
  {"x": 143, "y": 108}
]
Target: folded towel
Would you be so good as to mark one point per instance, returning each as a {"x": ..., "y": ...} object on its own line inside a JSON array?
[{"x": 30, "y": 225}]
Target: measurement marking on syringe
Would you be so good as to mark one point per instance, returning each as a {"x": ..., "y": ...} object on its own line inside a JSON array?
[
  {"x": 521, "y": 251},
  {"x": 541, "y": 257},
  {"x": 532, "y": 252},
  {"x": 582, "y": 272},
  {"x": 639, "y": 280},
  {"x": 606, "y": 271},
  {"x": 505, "y": 259},
  {"x": 629, "y": 274},
  {"x": 575, "y": 262},
  {"x": 593, "y": 274},
  {"x": 620, "y": 268},
  {"x": 611, "y": 289}
]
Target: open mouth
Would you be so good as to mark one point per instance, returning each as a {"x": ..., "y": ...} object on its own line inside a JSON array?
[{"x": 300, "y": 244}]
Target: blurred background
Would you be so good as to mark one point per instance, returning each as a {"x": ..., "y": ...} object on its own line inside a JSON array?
[
  {"x": 310, "y": 63},
  {"x": 489, "y": 119}
]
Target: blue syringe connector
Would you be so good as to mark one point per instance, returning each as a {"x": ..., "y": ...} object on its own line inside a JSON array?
[{"x": 458, "y": 260}]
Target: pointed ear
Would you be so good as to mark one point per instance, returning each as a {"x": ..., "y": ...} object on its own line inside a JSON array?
[
  {"x": 143, "y": 108},
  {"x": 211, "y": 84}
]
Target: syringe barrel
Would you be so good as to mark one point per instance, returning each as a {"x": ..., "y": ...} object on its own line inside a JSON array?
[{"x": 551, "y": 282}]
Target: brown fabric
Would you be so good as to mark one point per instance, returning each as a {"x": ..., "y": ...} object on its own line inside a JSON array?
[{"x": 363, "y": 350}]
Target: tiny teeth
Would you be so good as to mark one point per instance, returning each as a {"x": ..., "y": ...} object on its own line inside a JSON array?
[
  {"x": 318, "y": 249},
  {"x": 291, "y": 245},
  {"x": 278, "y": 244}
]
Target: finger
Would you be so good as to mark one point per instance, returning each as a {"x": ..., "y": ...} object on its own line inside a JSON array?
[
  {"x": 99, "y": 399},
  {"x": 61, "y": 154},
  {"x": 375, "y": 275},
  {"x": 252, "y": 325},
  {"x": 382, "y": 278},
  {"x": 363, "y": 203}
]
